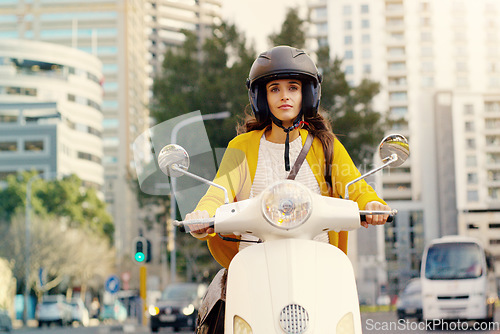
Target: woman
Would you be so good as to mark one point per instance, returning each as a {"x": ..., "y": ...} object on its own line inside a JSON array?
[{"x": 284, "y": 89}]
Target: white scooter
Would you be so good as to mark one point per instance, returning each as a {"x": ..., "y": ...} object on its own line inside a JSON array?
[{"x": 289, "y": 283}]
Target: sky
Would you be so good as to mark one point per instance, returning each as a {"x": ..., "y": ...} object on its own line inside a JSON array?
[{"x": 257, "y": 19}]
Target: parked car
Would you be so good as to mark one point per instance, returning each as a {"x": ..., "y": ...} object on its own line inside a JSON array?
[
  {"x": 177, "y": 307},
  {"x": 114, "y": 311},
  {"x": 409, "y": 303},
  {"x": 79, "y": 312},
  {"x": 5, "y": 321},
  {"x": 53, "y": 309}
]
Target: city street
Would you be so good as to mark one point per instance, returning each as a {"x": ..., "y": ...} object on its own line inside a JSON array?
[
  {"x": 128, "y": 327},
  {"x": 387, "y": 323},
  {"x": 373, "y": 323}
]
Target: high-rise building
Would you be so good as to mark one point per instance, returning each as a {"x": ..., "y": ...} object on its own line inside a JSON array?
[
  {"x": 167, "y": 19},
  {"x": 50, "y": 111},
  {"x": 114, "y": 31},
  {"x": 438, "y": 64},
  {"x": 129, "y": 38}
]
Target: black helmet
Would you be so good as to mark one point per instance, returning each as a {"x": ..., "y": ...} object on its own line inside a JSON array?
[{"x": 279, "y": 63}]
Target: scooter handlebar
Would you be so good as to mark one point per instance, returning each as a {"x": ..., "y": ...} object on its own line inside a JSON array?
[
  {"x": 390, "y": 219},
  {"x": 194, "y": 225}
]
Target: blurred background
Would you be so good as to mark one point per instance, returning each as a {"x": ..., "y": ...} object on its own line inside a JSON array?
[{"x": 82, "y": 81}]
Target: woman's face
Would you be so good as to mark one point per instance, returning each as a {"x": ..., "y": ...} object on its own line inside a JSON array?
[{"x": 284, "y": 98}]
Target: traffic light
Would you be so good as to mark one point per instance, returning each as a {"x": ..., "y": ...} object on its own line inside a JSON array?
[{"x": 142, "y": 250}]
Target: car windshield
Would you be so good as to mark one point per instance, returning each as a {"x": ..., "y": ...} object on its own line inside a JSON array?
[
  {"x": 453, "y": 261},
  {"x": 180, "y": 292}
]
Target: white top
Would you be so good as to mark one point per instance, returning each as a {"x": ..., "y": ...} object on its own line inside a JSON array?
[{"x": 271, "y": 168}]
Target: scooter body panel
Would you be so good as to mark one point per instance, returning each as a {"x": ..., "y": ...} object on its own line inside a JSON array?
[{"x": 263, "y": 279}]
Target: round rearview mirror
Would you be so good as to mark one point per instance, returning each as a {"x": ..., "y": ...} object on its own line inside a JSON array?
[
  {"x": 394, "y": 144},
  {"x": 173, "y": 155}
]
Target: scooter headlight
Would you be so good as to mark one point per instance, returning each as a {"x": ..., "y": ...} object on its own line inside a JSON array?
[{"x": 286, "y": 204}]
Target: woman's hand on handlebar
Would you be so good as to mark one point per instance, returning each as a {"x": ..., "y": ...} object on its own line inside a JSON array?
[
  {"x": 203, "y": 231},
  {"x": 375, "y": 219}
]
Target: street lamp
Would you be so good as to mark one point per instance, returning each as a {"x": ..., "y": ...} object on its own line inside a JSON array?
[{"x": 173, "y": 140}]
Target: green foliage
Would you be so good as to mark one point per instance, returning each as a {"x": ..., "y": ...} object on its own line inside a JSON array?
[
  {"x": 292, "y": 31},
  {"x": 210, "y": 78},
  {"x": 66, "y": 198}
]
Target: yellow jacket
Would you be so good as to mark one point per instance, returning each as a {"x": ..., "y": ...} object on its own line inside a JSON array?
[{"x": 237, "y": 171}]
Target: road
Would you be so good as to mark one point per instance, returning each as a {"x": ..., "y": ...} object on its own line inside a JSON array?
[
  {"x": 130, "y": 327},
  {"x": 373, "y": 323},
  {"x": 387, "y": 323}
]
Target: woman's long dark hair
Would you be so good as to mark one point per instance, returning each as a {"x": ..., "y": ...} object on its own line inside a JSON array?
[{"x": 317, "y": 125}]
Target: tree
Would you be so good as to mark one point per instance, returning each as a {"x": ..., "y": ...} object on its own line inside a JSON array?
[
  {"x": 7, "y": 285},
  {"x": 210, "y": 78},
  {"x": 80, "y": 206},
  {"x": 64, "y": 254},
  {"x": 292, "y": 31}
]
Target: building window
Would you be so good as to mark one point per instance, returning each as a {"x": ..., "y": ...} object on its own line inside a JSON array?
[
  {"x": 365, "y": 38},
  {"x": 348, "y": 54},
  {"x": 493, "y": 158},
  {"x": 365, "y": 9},
  {"x": 494, "y": 175},
  {"x": 367, "y": 53},
  {"x": 367, "y": 68},
  {"x": 8, "y": 118},
  {"x": 399, "y": 111},
  {"x": 469, "y": 126},
  {"x": 323, "y": 41},
  {"x": 322, "y": 28},
  {"x": 348, "y": 25},
  {"x": 89, "y": 157},
  {"x": 349, "y": 69},
  {"x": 347, "y": 10},
  {"x": 348, "y": 40},
  {"x": 472, "y": 196},
  {"x": 471, "y": 143},
  {"x": 365, "y": 24},
  {"x": 472, "y": 178},
  {"x": 494, "y": 193},
  {"x": 398, "y": 96},
  {"x": 34, "y": 145},
  {"x": 8, "y": 146},
  {"x": 468, "y": 109},
  {"x": 493, "y": 141},
  {"x": 397, "y": 66}
]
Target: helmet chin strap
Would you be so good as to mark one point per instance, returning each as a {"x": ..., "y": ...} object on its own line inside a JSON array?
[{"x": 296, "y": 123}]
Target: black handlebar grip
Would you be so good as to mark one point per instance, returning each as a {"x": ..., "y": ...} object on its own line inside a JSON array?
[{"x": 390, "y": 219}]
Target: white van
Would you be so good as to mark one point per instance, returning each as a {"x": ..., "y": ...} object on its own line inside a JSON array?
[{"x": 458, "y": 281}]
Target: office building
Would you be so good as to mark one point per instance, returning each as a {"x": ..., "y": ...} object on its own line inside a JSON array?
[
  {"x": 114, "y": 32},
  {"x": 50, "y": 111}
]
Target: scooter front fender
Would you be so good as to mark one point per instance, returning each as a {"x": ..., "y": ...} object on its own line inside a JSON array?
[{"x": 266, "y": 278}]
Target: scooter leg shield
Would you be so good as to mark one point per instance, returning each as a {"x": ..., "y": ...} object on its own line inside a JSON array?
[{"x": 301, "y": 284}]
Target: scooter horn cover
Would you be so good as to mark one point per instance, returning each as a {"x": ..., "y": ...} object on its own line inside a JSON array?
[{"x": 283, "y": 62}]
